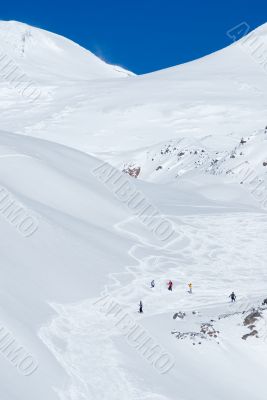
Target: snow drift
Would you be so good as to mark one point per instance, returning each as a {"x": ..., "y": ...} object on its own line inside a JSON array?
[{"x": 185, "y": 128}]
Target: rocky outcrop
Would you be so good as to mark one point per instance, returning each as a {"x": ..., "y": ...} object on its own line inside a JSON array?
[{"x": 132, "y": 171}]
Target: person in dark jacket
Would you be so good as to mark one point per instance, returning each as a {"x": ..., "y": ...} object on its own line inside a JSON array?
[
  {"x": 233, "y": 297},
  {"x": 141, "y": 307},
  {"x": 170, "y": 285}
]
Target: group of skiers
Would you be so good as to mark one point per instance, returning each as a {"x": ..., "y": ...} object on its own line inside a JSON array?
[
  {"x": 190, "y": 286},
  {"x": 170, "y": 286}
]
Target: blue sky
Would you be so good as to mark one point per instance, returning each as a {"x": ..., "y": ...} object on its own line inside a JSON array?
[{"x": 141, "y": 35}]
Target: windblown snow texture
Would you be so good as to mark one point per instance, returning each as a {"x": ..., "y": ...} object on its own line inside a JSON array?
[{"x": 191, "y": 141}]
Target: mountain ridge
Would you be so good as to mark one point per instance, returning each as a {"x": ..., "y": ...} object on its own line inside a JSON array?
[{"x": 22, "y": 41}]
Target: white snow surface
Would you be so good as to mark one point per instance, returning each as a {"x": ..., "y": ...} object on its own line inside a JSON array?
[{"x": 189, "y": 121}]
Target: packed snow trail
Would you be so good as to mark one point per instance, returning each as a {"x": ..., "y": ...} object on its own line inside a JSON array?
[
  {"x": 216, "y": 254},
  {"x": 78, "y": 251}
]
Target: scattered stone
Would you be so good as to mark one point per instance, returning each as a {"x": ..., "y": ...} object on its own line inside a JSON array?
[
  {"x": 132, "y": 171},
  {"x": 253, "y": 333},
  {"x": 251, "y": 327},
  {"x": 249, "y": 322},
  {"x": 207, "y": 332},
  {"x": 208, "y": 329},
  {"x": 252, "y": 318},
  {"x": 180, "y": 314}
]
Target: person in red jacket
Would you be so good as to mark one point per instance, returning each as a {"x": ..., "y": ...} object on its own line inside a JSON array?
[{"x": 170, "y": 285}]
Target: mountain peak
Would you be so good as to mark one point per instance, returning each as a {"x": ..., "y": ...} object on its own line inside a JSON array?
[{"x": 45, "y": 55}]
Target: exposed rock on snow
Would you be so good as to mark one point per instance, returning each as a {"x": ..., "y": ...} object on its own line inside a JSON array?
[{"x": 204, "y": 124}]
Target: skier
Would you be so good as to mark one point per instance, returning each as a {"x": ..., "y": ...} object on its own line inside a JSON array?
[
  {"x": 190, "y": 287},
  {"x": 141, "y": 307},
  {"x": 153, "y": 283},
  {"x": 170, "y": 285},
  {"x": 233, "y": 297}
]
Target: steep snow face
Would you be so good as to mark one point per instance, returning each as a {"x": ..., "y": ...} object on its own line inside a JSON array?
[{"x": 46, "y": 56}]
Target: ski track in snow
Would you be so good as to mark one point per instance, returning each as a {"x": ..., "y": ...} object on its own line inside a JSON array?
[
  {"x": 82, "y": 340},
  {"x": 155, "y": 120}
]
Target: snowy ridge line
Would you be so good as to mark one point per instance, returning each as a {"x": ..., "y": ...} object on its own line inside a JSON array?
[
  {"x": 221, "y": 235},
  {"x": 250, "y": 43}
]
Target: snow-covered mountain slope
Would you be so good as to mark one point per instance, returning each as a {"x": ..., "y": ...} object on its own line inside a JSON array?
[
  {"x": 222, "y": 95},
  {"x": 87, "y": 241},
  {"x": 168, "y": 161},
  {"x": 79, "y": 246},
  {"x": 58, "y": 262},
  {"x": 47, "y": 57}
]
